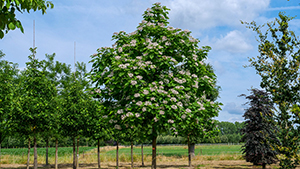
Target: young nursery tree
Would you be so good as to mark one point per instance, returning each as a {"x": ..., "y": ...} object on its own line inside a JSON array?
[
  {"x": 36, "y": 100},
  {"x": 75, "y": 106},
  {"x": 278, "y": 65},
  {"x": 97, "y": 127},
  {"x": 56, "y": 72},
  {"x": 259, "y": 131},
  {"x": 8, "y": 72},
  {"x": 141, "y": 73}
]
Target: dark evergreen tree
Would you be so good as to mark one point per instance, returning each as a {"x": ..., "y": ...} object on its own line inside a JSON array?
[{"x": 259, "y": 131}]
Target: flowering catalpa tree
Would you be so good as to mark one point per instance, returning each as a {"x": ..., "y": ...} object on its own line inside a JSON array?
[{"x": 157, "y": 77}]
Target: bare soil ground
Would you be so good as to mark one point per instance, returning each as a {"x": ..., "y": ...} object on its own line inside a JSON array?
[{"x": 226, "y": 164}]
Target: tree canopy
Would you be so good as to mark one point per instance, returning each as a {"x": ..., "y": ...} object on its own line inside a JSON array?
[{"x": 8, "y": 8}]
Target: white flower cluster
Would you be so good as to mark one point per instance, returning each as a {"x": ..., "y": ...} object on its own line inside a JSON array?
[
  {"x": 137, "y": 115},
  {"x": 139, "y": 77},
  {"x": 166, "y": 81},
  {"x": 133, "y": 82},
  {"x": 174, "y": 91},
  {"x": 133, "y": 42},
  {"x": 118, "y": 127},
  {"x": 179, "y": 104},
  {"x": 173, "y": 99},
  {"x": 118, "y": 57},
  {"x": 139, "y": 103},
  {"x": 183, "y": 116},
  {"x": 98, "y": 91},
  {"x": 180, "y": 81},
  {"x": 170, "y": 28},
  {"x": 170, "y": 121},
  {"x": 196, "y": 84},
  {"x": 129, "y": 114},
  {"x": 133, "y": 33},
  {"x": 145, "y": 92},
  {"x": 120, "y": 49},
  {"x": 174, "y": 107},
  {"x": 188, "y": 110},
  {"x": 148, "y": 103},
  {"x": 120, "y": 111},
  {"x": 181, "y": 72},
  {"x": 165, "y": 101},
  {"x": 173, "y": 128},
  {"x": 124, "y": 66},
  {"x": 155, "y": 119},
  {"x": 136, "y": 95},
  {"x": 105, "y": 116},
  {"x": 152, "y": 98},
  {"x": 130, "y": 74},
  {"x": 161, "y": 112},
  {"x": 144, "y": 109},
  {"x": 111, "y": 74},
  {"x": 179, "y": 87}
]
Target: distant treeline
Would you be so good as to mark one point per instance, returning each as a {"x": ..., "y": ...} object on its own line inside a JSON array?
[{"x": 229, "y": 133}]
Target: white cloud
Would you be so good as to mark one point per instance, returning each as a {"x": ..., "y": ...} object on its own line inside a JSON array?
[
  {"x": 232, "y": 108},
  {"x": 211, "y": 13},
  {"x": 233, "y": 42}
]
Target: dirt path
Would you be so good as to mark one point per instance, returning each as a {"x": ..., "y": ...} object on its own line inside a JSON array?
[{"x": 226, "y": 164}]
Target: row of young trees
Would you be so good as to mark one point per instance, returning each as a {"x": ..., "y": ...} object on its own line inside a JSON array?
[
  {"x": 230, "y": 133},
  {"x": 44, "y": 100},
  {"x": 152, "y": 81}
]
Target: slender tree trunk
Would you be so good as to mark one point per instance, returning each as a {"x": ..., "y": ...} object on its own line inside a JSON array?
[
  {"x": 98, "y": 152},
  {"x": 74, "y": 154},
  {"x": 35, "y": 153},
  {"x": 77, "y": 158},
  {"x": 131, "y": 154},
  {"x": 47, "y": 144},
  {"x": 263, "y": 165},
  {"x": 192, "y": 149},
  {"x": 117, "y": 157},
  {"x": 28, "y": 155},
  {"x": 0, "y": 155},
  {"x": 189, "y": 151},
  {"x": 143, "y": 155},
  {"x": 153, "y": 149},
  {"x": 56, "y": 152}
]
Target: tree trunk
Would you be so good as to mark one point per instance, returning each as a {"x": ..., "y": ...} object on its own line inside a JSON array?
[
  {"x": 117, "y": 157},
  {"x": 28, "y": 155},
  {"x": 77, "y": 158},
  {"x": 0, "y": 155},
  {"x": 190, "y": 163},
  {"x": 98, "y": 152},
  {"x": 47, "y": 144},
  {"x": 35, "y": 153},
  {"x": 142, "y": 155},
  {"x": 263, "y": 165},
  {"x": 192, "y": 149},
  {"x": 74, "y": 154},
  {"x": 56, "y": 154},
  {"x": 131, "y": 154},
  {"x": 153, "y": 149}
]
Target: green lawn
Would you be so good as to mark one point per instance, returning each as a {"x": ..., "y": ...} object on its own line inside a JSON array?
[
  {"x": 161, "y": 150},
  {"x": 182, "y": 150}
]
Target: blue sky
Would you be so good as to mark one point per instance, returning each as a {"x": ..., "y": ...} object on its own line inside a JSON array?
[{"x": 215, "y": 23}]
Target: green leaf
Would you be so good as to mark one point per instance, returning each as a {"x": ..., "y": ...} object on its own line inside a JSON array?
[
  {"x": 1, "y": 34},
  {"x": 12, "y": 26}
]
